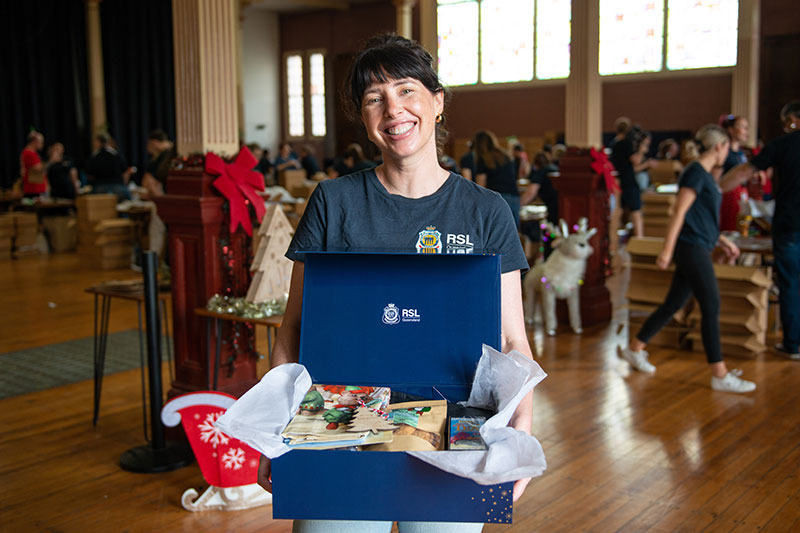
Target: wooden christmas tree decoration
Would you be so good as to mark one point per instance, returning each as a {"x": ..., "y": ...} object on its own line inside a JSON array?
[
  {"x": 365, "y": 420},
  {"x": 272, "y": 271}
]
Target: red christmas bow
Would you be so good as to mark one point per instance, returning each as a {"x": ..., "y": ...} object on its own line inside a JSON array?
[
  {"x": 602, "y": 166},
  {"x": 238, "y": 182}
]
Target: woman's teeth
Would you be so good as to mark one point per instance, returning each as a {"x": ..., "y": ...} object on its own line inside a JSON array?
[{"x": 399, "y": 130}]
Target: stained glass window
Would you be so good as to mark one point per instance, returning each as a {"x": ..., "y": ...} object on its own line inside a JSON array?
[
  {"x": 631, "y": 36},
  {"x": 702, "y": 33},
  {"x": 506, "y": 40},
  {"x": 553, "y": 33},
  {"x": 294, "y": 91},
  {"x": 316, "y": 70},
  {"x": 458, "y": 42}
]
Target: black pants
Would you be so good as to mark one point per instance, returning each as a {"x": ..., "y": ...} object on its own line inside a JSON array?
[{"x": 694, "y": 274}]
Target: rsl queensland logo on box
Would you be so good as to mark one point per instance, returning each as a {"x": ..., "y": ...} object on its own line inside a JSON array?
[{"x": 394, "y": 315}]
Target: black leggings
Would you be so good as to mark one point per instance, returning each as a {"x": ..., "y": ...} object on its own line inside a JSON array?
[{"x": 694, "y": 274}]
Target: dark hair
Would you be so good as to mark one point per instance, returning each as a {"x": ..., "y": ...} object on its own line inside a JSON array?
[
  {"x": 790, "y": 109},
  {"x": 729, "y": 121},
  {"x": 488, "y": 149},
  {"x": 391, "y": 56},
  {"x": 636, "y": 135},
  {"x": 541, "y": 159},
  {"x": 157, "y": 135},
  {"x": 103, "y": 138}
]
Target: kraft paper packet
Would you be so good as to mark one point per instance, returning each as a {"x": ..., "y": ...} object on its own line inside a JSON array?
[{"x": 426, "y": 437}]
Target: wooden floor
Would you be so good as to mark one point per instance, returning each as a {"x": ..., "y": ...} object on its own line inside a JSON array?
[{"x": 625, "y": 451}]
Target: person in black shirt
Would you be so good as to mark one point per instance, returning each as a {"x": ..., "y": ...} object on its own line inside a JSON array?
[
  {"x": 308, "y": 161},
  {"x": 692, "y": 234},
  {"x": 783, "y": 156},
  {"x": 61, "y": 174},
  {"x": 495, "y": 170},
  {"x": 162, "y": 152},
  {"x": 628, "y": 161},
  {"x": 107, "y": 169}
]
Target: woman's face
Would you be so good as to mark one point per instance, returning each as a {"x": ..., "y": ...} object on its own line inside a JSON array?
[
  {"x": 722, "y": 152},
  {"x": 740, "y": 130},
  {"x": 400, "y": 117},
  {"x": 285, "y": 150}
]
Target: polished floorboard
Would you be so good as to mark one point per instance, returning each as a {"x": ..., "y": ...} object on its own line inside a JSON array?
[{"x": 625, "y": 451}]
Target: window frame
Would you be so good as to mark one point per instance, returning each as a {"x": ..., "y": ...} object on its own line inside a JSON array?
[{"x": 305, "y": 58}]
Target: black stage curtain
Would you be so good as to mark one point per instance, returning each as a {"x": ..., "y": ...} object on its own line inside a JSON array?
[
  {"x": 139, "y": 75},
  {"x": 44, "y": 79}
]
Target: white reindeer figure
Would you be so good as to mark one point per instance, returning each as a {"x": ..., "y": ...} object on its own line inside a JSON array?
[{"x": 560, "y": 276}]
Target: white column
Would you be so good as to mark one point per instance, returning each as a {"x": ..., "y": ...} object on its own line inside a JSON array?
[
  {"x": 744, "y": 83},
  {"x": 204, "y": 33},
  {"x": 584, "y": 95},
  {"x": 428, "y": 28},
  {"x": 97, "y": 87},
  {"x": 404, "y": 12}
]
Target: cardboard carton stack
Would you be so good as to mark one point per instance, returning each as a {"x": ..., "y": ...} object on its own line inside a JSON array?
[
  {"x": 272, "y": 271},
  {"x": 104, "y": 241},
  {"x": 6, "y": 234},
  {"x": 26, "y": 229},
  {"x": 648, "y": 288},
  {"x": 656, "y": 211},
  {"x": 744, "y": 294}
]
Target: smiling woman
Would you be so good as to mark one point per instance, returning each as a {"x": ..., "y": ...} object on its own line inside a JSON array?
[{"x": 407, "y": 204}]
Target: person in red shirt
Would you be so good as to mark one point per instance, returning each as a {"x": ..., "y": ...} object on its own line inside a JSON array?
[{"x": 31, "y": 167}]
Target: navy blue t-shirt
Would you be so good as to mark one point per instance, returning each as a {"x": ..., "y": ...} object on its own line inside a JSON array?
[
  {"x": 783, "y": 154},
  {"x": 701, "y": 225},
  {"x": 621, "y": 152},
  {"x": 502, "y": 178},
  {"x": 356, "y": 212}
]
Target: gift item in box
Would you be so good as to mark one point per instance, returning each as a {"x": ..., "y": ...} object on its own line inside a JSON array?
[
  {"x": 94, "y": 207},
  {"x": 416, "y": 324}
]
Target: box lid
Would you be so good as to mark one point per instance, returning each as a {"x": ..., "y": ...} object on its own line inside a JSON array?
[{"x": 408, "y": 321}]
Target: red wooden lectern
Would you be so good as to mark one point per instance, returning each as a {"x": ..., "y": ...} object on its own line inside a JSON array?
[
  {"x": 582, "y": 193},
  {"x": 193, "y": 214}
]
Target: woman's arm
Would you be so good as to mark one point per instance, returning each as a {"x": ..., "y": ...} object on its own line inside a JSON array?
[
  {"x": 685, "y": 199},
  {"x": 514, "y": 337},
  {"x": 736, "y": 176},
  {"x": 480, "y": 179},
  {"x": 286, "y": 350},
  {"x": 287, "y": 345}
]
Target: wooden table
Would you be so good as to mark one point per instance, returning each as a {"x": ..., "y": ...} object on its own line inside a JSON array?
[
  {"x": 125, "y": 290},
  {"x": 271, "y": 322}
]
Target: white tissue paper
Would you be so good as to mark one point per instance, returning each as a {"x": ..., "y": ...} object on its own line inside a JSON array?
[
  {"x": 501, "y": 382},
  {"x": 263, "y": 412}
]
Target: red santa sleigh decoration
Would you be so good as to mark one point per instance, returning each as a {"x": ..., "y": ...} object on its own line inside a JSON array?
[{"x": 228, "y": 465}]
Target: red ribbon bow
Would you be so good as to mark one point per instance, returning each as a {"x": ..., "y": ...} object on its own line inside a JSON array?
[
  {"x": 238, "y": 182},
  {"x": 602, "y": 166}
]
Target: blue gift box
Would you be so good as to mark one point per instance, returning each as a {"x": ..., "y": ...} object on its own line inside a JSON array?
[{"x": 415, "y": 323}]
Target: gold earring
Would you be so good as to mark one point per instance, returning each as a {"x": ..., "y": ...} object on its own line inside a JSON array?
[{"x": 439, "y": 118}]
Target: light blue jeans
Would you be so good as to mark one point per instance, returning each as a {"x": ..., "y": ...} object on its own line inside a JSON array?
[{"x": 363, "y": 526}]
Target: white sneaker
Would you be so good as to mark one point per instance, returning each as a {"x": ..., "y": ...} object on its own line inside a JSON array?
[
  {"x": 637, "y": 360},
  {"x": 732, "y": 383}
]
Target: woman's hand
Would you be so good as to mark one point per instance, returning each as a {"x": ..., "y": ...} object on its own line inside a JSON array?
[
  {"x": 265, "y": 471},
  {"x": 730, "y": 249},
  {"x": 664, "y": 258}
]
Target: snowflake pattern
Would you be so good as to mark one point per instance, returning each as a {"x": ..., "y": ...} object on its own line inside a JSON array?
[
  {"x": 233, "y": 458},
  {"x": 210, "y": 434}
]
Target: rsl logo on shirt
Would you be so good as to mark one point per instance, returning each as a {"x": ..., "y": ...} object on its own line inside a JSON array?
[{"x": 429, "y": 241}]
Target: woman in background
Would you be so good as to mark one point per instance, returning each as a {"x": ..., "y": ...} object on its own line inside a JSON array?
[
  {"x": 692, "y": 234},
  {"x": 495, "y": 170}
]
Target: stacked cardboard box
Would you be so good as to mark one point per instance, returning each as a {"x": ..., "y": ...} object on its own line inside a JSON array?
[
  {"x": 6, "y": 234},
  {"x": 743, "y": 321},
  {"x": 26, "y": 228},
  {"x": 104, "y": 241},
  {"x": 656, "y": 211},
  {"x": 62, "y": 233},
  {"x": 648, "y": 288}
]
